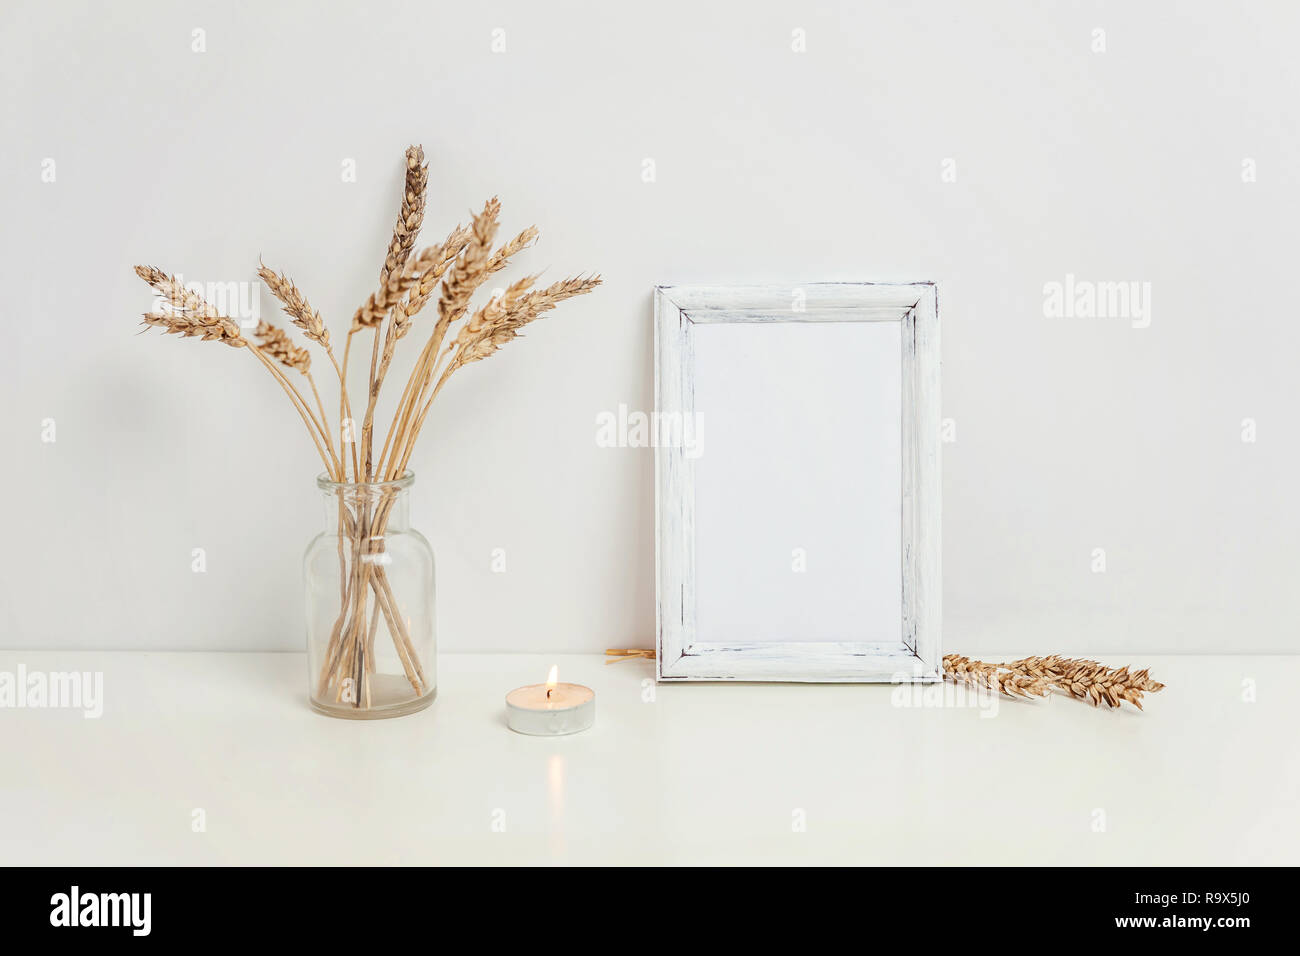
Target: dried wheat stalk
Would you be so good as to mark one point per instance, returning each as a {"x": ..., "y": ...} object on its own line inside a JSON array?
[
  {"x": 501, "y": 257},
  {"x": 382, "y": 301},
  {"x": 372, "y": 314},
  {"x": 396, "y": 278},
  {"x": 280, "y": 347},
  {"x": 301, "y": 313},
  {"x": 411, "y": 215},
  {"x": 210, "y": 329},
  {"x": 619, "y": 654},
  {"x": 1089, "y": 680},
  {"x": 277, "y": 344},
  {"x": 1081, "y": 679},
  {"x": 963, "y": 670},
  {"x": 466, "y": 273},
  {"x": 438, "y": 260},
  {"x": 190, "y": 315},
  {"x": 1028, "y": 677},
  {"x": 471, "y": 266},
  {"x": 296, "y": 306},
  {"x": 490, "y": 337},
  {"x": 455, "y": 243},
  {"x": 497, "y": 327}
]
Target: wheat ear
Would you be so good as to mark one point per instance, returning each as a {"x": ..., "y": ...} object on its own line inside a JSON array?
[
  {"x": 277, "y": 344},
  {"x": 435, "y": 261},
  {"x": 307, "y": 319},
  {"x": 395, "y": 279},
  {"x": 501, "y": 257},
  {"x": 1090, "y": 680},
  {"x": 190, "y": 315},
  {"x": 1080, "y": 679},
  {"x": 464, "y": 277},
  {"x": 439, "y": 262},
  {"x": 492, "y": 337},
  {"x": 963, "y": 670},
  {"x": 411, "y": 215}
]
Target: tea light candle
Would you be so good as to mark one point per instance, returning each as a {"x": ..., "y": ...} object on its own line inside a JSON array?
[{"x": 551, "y": 709}]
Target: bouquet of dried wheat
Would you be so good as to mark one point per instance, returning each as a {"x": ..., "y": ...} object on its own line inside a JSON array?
[{"x": 448, "y": 274}]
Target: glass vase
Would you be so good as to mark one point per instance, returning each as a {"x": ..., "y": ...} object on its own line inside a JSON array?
[{"x": 369, "y": 583}]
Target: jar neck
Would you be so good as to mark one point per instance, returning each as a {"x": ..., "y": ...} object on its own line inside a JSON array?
[{"x": 383, "y": 507}]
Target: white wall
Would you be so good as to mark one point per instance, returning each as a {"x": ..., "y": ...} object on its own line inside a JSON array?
[{"x": 772, "y": 165}]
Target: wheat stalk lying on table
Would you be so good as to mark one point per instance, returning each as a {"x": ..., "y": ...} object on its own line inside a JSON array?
[
  {"x": 963, "y": 670},
  {"x": 1081, "y": 679},
  {"x": 1089, "y": 680},
  {"x": 455, "y": 269},
  {"x": 1028, "y": 677}
]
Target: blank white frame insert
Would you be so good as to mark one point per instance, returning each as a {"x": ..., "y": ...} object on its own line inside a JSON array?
[{"x": 797, "y": 482}]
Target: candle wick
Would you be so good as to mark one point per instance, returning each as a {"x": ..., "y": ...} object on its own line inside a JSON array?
[{"x": 548, "y": 692}]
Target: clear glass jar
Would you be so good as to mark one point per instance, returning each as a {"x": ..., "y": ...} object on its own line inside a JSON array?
[{"x": 369, "y": 583}]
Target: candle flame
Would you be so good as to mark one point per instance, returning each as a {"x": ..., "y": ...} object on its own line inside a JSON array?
[{"x": 551, "y": 679}]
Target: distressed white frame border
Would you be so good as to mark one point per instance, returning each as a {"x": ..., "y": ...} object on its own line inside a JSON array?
[{"x": 916, "y": 656}]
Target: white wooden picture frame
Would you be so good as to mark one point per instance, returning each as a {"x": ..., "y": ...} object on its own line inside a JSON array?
[{"x": 907, "y": 649}]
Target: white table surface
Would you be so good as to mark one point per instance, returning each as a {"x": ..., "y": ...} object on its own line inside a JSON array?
[{"x": 670, "y": 774}]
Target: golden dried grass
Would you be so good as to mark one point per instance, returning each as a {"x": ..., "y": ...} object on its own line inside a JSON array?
[
  {"x": 277, "y": 344},
  {"x": 296, "y": 306},
  {"x": 1029, "y": 677},
  {"x": 1089, "y": 680}
]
